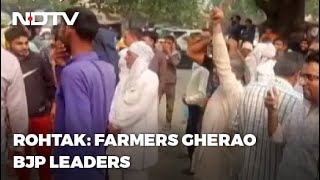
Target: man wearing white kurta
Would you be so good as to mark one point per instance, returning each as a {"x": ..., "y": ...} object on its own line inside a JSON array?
[
  {"x": 214, "y": 163},
  {"x": 134, "y": 110}
]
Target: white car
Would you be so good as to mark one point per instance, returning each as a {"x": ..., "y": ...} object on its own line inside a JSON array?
[
  {"x": 181, "y": 35},
  {"x": 182, "y": 40}
]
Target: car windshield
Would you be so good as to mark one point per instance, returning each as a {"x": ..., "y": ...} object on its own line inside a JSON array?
[{"x": 178, "y": 33}]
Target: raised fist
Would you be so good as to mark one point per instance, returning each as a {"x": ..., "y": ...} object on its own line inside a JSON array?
[{"x": 217, "y": 15}]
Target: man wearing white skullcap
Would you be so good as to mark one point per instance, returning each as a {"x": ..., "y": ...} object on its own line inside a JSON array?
[
  {"x": 134, "y": 110},
  {"x": 261, "y": 62}
]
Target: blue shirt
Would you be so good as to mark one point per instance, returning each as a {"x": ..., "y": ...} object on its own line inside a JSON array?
[{"x": 83, "y": 104}]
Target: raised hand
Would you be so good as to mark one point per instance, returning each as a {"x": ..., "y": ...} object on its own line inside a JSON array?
[
  {"x": 272, "y": 99},
  {"x": 59, "y": 54},
  {"x": 217, "y": 15}
]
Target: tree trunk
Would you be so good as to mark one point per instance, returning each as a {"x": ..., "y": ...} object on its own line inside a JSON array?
[{"x": 284, "y": 16}]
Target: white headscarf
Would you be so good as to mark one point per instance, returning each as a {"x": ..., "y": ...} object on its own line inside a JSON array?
[
  {"x": 262, "y": 53},
  {"x": 145, "y": 55},
  {"x": 247, "y": 45}
]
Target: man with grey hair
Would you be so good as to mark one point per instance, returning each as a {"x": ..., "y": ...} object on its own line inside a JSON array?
[
  {"x": 262, "y": 160},
  {"x": 299, "y": 134}
]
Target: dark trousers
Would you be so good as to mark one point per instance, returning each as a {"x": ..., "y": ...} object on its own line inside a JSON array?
[{"x": 195, "y": 115}]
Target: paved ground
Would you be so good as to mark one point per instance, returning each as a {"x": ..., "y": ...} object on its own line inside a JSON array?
[{"x": 171, "y": 162}]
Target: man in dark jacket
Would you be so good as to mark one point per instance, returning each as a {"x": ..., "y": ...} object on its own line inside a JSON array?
[
  {"x": 235, "y": 28},
  {"x": 40, "y": 92},
  {"x": 105, "y": 46},
  {"x": 248, "y": 32}
]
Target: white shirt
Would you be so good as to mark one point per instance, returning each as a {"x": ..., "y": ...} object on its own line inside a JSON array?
[
  {"x": 261, "y": 54},
  {"x": 196, "y": 89},
  {"x": 13, "y": 97},
  {"x": 261, "y": 161},
  {"x": 265, "y": 71}
]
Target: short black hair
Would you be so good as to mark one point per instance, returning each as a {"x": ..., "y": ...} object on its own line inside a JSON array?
[
  {"x": 171, "y": 38},
  {"x": 313, "y": 57},
  {"x": 284, "y": 40},
  {"x": 152, "y": 35},
  {"x": 238, "y": 17},
  {"x": 249, "y": 21},
  {"x": 137, "y": 32},
  {"x": 205, "y": 29},
  {"x": 15, "y": 32},
  {"x": 86, "y": 25},
  {"x": 305, "y": 40},
  {"x": 289, "y": 64}
]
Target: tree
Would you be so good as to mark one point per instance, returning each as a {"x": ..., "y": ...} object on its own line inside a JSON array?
[
  {"x": 312, "y": 8},
  {"x": 31, "y": 5},
  {"x": 175, "y": 12},
  {"x": 284, "y": 16}
]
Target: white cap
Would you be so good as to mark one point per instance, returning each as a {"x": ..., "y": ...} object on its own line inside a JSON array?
[{"x": 247, "y": 45}]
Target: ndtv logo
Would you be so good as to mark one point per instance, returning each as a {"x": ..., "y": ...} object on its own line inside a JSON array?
[{"x": 30, "y": 18}]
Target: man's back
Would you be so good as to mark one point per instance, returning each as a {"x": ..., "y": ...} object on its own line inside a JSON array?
[
  {"x": 105, "y": 47},
  {"x": 262, "y": 161},
  {"x": 86, "y": 92}
]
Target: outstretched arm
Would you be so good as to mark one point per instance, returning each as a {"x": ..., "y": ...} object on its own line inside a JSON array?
[{"x": 220, "y": 51}]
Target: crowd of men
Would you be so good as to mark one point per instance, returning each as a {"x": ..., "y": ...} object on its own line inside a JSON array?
[{"x": 81, "y": 84}]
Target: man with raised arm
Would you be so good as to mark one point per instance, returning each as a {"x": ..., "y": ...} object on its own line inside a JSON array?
[{"x": 215, "y": 163}]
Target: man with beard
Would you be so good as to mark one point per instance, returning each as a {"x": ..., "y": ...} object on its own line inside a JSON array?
[
  {"x": 86, "y": 88},
  {"x": 299, "y": 132},
  {"x": 40, "y": 90},
  {"x": 304, "y": 47}
]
